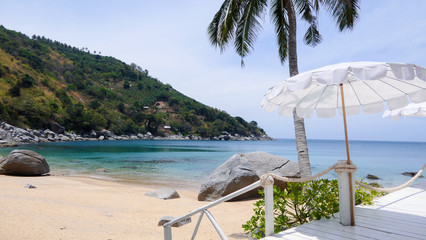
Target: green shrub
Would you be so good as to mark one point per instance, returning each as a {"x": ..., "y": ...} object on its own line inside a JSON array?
[
  {"x": 15, "y": 91},
  {"x": 71, "y": 87},
  {"x": 301, "y": 203},
  {"x": 27, "y": 81},
  {"x": 95, "y": 104},
  {"x": 126, "y": 85}
]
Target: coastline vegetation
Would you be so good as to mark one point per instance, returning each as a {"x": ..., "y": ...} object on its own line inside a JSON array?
[{"x": 43, "y": 81}]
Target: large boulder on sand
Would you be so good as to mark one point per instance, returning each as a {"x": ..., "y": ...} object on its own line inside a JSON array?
[
  {"x": 242, "y": 170},
  {"x": 24, "y": 163}
]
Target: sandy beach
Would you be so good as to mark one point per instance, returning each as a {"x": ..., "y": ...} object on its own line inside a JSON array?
[{"x": 65, "y": 207}]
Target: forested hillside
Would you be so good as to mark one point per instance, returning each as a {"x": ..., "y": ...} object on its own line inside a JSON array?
[{"x": 44, "y": 81}]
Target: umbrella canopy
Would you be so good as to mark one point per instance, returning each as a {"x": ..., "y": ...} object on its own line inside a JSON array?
[
  {"x": 366, "y": 85},
  {"x": 411, "y": 110}
]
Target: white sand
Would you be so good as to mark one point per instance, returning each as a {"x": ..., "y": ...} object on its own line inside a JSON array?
[{"x": 64, "y": 207}]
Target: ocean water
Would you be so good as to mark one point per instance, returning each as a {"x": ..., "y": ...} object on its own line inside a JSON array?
[{"x": 185, "y": 164}]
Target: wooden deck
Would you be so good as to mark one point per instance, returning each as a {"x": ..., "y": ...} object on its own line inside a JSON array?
[{"x": 400, "y": 215}]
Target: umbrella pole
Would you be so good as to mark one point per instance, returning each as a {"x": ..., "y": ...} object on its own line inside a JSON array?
[
  {"x": 346, "y": 128},
  {"x": 348, "y": 158}
]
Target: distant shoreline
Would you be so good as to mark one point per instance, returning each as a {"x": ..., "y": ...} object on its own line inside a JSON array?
[{"x": 11, "y": 136}]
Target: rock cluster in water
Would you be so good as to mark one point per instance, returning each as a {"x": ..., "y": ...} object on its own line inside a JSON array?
[{"x": 11, "y": 134}]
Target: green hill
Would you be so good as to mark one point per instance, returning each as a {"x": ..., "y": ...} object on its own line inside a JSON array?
[{"x": 44, "y": 81}]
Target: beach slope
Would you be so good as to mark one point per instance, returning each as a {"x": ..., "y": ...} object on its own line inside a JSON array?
[{"x": 63, "y": 207}]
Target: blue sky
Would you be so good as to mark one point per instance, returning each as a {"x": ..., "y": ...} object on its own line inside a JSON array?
[{"x": 169, "y": 38}]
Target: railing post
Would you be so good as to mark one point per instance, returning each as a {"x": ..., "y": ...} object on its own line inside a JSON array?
[
  {"x": 168, "y": 226},
  {"x": 269, "y": 206},
  {"x": 167, "y": 232},
  {"x": 345, "y": 191},
  {"x": 215, "y": 225},
  {"x": 197, "y": 225}
]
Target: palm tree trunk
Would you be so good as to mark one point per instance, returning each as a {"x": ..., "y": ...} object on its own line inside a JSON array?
[
  {"x": 299, "y": 123},
  {"x": 302, "y": 146}
]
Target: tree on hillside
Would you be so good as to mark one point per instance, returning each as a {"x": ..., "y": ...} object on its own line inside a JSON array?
[{"x": 238, "y": 21}]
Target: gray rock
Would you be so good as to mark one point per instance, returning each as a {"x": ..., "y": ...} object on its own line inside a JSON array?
[
  {"x": 93, "y": 134},
  {"x": 372, "y": 177},
  {"x": 6, "y": 126},
  {"x": 21, "y": 132},
  {"x": 167, "y": 219},
  {"x": 4, "y": 134},
  {"x": 242, "y": 170},
  {"x": 224, "y": 137},
  {"x": 24, "y": 139},
  {"x": 38, "y": 133},
  {"x": 105, "y": 133},
  {"x": 63, "y": 138},
  {"x": 164, "y": 193},
  {"x": 24, "y": 163},
  {"x": 56, "y": 128},
  {"x": 48, "y": 132},
  {"x": 30, "y": 186},
  {"x": 411, "y": 174}
]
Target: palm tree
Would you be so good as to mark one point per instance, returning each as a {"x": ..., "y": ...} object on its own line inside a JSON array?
[{"x": 238, "y": 21}]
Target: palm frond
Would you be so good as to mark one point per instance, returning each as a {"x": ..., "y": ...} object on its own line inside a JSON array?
[
  {"x": 280, "y": 21},
  {"x": 249, "y": 26},
  {"x": 213, "y": 28},
  {"x": 221, "y": 29},
  {"x": 344, "y": 12},
  {"x": 312, "y": 36},
  {"x": 305, "y": 9},
  {"x": 315, "y": 5}
]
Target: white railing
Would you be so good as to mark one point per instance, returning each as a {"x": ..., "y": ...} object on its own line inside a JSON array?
[
  {"x": 267, "y": 182},
  {"x": 269, "y": 211}
]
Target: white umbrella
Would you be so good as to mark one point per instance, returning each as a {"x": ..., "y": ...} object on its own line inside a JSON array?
[
  {"x": 411, "y": 110},
  {"x": 348, "y": 87},
  {"x": 367, "y": 86}
]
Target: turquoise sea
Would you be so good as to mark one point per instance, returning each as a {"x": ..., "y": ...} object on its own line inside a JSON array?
[{"x": 184, "y": 164}]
